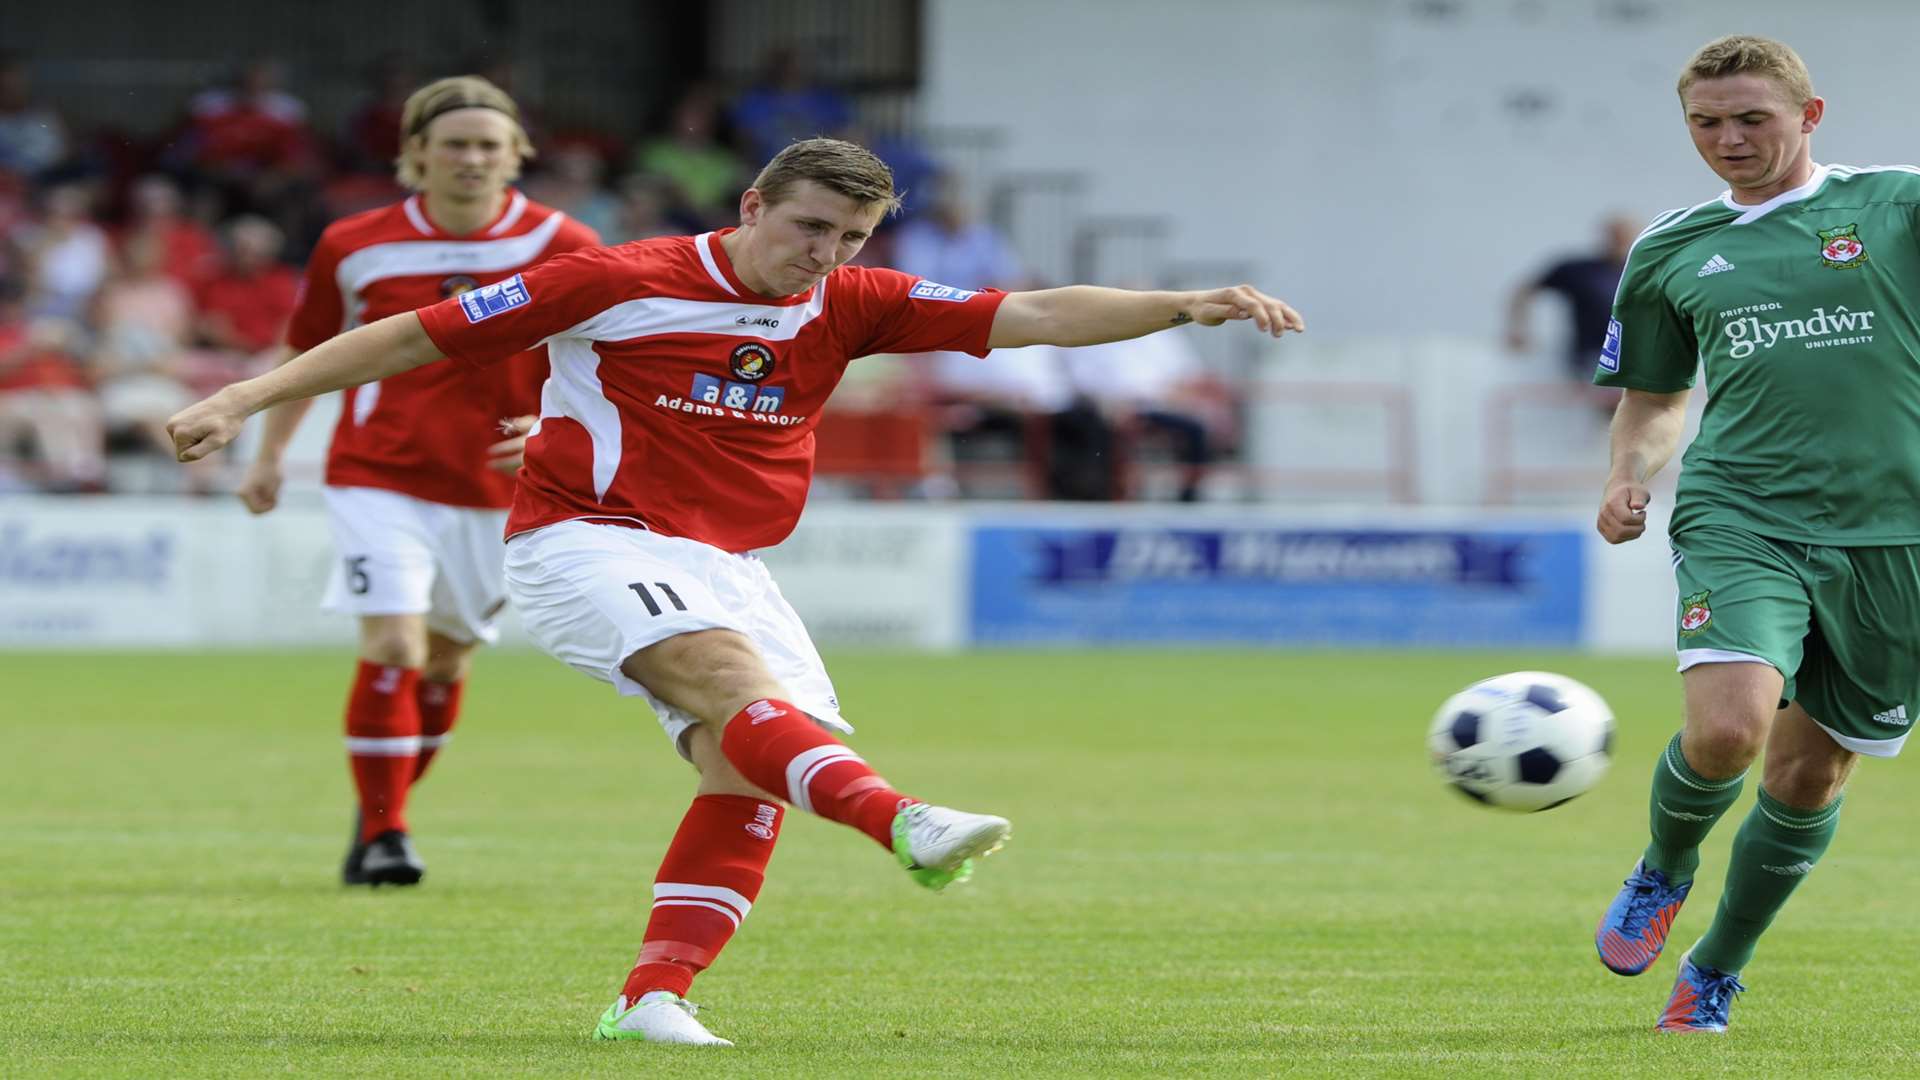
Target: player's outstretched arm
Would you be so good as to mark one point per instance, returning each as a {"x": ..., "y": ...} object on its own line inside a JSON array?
[
  {"x": 1091, "y": 315},
  {"x": 375, "y": 351},
  {"x": 1646, "y": 431}
]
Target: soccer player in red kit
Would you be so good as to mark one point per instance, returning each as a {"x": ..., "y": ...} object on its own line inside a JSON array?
[
  {"x": 419, "y": 474},
  {"x": 675, "y": 438}
]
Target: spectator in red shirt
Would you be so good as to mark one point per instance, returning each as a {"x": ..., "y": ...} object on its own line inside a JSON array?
[
  {"x": 45, "y": 401},
  {"x": 246, "y": 304},
  {"x": 189, "y": 251}
]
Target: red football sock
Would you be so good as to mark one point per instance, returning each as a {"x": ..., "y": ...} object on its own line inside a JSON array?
[
  {"x": 780, "y": 748},
  {"x": 439, "y": 709},
  {"x": 383, "y": 737},
  {"x": 707, "y": 882}
]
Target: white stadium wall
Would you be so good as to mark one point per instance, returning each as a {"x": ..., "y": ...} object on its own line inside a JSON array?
[
  {"x": 1392, "y": 167},
  {"x": 168, "y": 573}
]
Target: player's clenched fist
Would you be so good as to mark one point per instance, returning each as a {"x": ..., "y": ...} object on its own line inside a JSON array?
[
  {"x": 1272, "y": 316},
  {"x": 1623, "y": 513},
  {"x": 203, "y": 427}
]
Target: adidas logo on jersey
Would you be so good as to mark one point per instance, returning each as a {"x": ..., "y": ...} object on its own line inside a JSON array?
[
  {"x": 1894, "y": 717},
  {"x": 1715, "y": 265}
]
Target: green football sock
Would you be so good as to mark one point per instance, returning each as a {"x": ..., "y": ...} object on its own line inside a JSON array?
[
  {"x": 1774, "y": 850},
  {"x": 1685, "y": 807}
]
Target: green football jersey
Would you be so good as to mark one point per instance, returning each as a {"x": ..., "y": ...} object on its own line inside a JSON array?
[{"x": 1805, "y": 312}]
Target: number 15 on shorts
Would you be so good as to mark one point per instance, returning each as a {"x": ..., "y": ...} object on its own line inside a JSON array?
[{"x": 645, "y": 594}]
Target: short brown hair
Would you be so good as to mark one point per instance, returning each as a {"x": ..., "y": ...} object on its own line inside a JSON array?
[
  {"x": 839, "y": 166},
  {"x": 1744, "y": 54},
  {"x": 444, "y": 96}
]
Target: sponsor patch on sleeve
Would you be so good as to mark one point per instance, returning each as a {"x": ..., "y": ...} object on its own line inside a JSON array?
[
  {"x": 1610, "y": 348},
  {"x": 490, "y": 300},
  {"x": 933, "y": 290}
]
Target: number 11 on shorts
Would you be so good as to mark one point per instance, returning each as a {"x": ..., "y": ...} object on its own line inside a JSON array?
[{"x": 653, "y": 606}]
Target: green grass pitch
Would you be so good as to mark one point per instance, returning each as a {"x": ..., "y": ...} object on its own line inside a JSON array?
[{"x": 1223, "y": 864}]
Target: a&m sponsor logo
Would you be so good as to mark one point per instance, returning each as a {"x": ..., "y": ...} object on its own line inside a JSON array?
[{"x": 744, "y": 396}]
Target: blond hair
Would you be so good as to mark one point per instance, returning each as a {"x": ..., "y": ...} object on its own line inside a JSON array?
[
  {"x": 444, "y": 96},
  {"x": 1744, "y": 54},
  {"x": 839, "y": 166}
]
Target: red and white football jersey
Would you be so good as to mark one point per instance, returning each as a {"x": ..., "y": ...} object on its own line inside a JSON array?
[
  {"x": 680, "y": 400},
  {"x": 425, "y": 432}
]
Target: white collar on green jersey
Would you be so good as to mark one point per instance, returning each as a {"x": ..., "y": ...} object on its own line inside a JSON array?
[{"x": 1749, "y": 214}]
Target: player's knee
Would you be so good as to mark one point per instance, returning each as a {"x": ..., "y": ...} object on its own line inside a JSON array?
[
  {"x": 447, "y": 661},
  {"x": 1806, "y": 782},
  {"x": 393, "y": 643},
  {"x": 1720, "y": 743}
]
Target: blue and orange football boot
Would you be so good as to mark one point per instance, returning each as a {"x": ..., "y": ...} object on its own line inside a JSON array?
[
  {"x": 1701, "y": 998},
  {"x": 1634, "y": 929}
]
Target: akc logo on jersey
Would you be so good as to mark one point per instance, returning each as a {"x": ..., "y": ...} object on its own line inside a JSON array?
[
  {"x": 752, "y": 362},
  {"x": 933, "y": 290},
  {"x": 458, "y": 285},
  {"x": 1695, "y": 614},
  {"x": 1841, "y": 249},
  {"x": 494, "y": 299},
  {"x": 1610, "y": 348}
]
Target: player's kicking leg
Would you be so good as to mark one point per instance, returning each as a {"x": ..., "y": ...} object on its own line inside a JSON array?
[{"x": 775, "y": 745}]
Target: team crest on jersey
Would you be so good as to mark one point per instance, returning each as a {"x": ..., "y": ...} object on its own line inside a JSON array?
[
  {"x": 1841, "y": 249},
  {"x": 458, "y": 285},
  {"x": 1695, "y": 613},
  {"x": 751, "y": 362},
  {"x": 495, "y": 299},
  {"x": 933, "y": 290}
]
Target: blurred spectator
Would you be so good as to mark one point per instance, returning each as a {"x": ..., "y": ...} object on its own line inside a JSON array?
[
  {"x": 32, "y": 139},
  {"x": 372, "y": 136},
  {"x": 46, "y": 404},
  {"x": 570, "y": 183},
  {"x": 704, "y": 177},
  {"x": 244, "y": 307},
  {"x": 65, "y": 255},
  {"x": 253, "y": 128},
  {"x": 143, "y": 317},
  {"x": 787, "y": 104},
  {"x": 1019, "y": 406},
  {"x": 1587, "y": 284},
  {"x": 1157, "y": 387},
  {"x": 952, "y": 245},
  {"x": 252, "y": 145},
  {"x": 189, "y": 251},
  {"x": 645, "y": 211}
]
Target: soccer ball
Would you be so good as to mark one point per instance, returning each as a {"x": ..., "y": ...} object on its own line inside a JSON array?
[{"x": 1525, "y": 741}]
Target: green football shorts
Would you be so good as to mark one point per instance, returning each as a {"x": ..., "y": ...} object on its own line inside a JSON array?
[{"x": 1842, "y": 624}]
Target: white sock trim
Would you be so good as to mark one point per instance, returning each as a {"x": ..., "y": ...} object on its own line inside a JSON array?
[
  {"x": 397, "y": 746},
  {"x": 663, "y": 890},
  {"x": 806, "y": 765}
]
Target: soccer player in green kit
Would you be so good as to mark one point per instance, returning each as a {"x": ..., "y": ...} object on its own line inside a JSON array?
[{"x": 1796, "y": 530}]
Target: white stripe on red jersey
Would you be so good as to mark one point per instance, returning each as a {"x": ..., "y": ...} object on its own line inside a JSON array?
[
  {"x": 680, "y": 399},
  {"x": 425, "y": 432}
]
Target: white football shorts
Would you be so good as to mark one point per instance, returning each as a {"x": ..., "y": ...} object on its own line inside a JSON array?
[
  {"x": 592, "y": 595},
  {"x": 399, "y": 555}
]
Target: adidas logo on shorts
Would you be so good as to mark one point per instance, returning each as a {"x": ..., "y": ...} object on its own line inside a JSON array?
[
  {"x": 1894, "y": 717},
  {"x": 1715, "y": 265}
]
